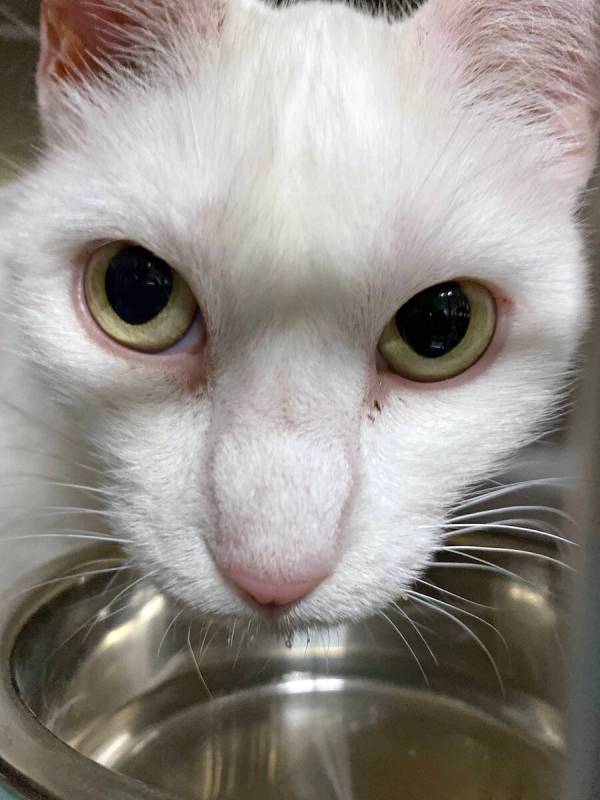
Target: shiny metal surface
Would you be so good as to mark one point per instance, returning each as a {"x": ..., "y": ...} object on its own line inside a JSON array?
[
  {"x": 583, "y": 779},
  {"x": 103, "y": 664}
]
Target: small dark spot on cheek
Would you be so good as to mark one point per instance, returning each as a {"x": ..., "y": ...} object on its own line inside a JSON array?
[{"x": 377, "y": 410}]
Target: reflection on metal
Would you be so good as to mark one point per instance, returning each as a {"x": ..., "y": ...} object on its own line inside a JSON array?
[
  {"x": 118, "y": 744},
  {"x": 584, "y": 738},
  {"x": 155, "y": 606},
  {"x": 341, "y": 715}
]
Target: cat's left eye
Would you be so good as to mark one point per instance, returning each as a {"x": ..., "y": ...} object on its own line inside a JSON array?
[
  {"x": 137, "y": 299},
  {"x": 441, "y": 332}
]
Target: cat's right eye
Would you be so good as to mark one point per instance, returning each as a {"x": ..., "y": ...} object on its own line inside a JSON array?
[
  {"x": 137, "y": 299},
  {"x": 441, "y": 332}
]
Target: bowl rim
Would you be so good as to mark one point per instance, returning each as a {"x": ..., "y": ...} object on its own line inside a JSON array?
[{"x": 33, "y": 761}]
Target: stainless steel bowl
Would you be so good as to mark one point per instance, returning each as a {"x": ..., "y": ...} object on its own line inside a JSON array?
[{"x": 108, "y": 692}]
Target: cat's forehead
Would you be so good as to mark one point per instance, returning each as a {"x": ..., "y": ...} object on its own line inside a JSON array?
[
  {"x": 318, "y": 92},
  {"x": 312, "y": 144}
]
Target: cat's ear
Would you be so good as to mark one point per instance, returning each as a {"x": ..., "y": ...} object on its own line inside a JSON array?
[
  {"x": 84, "y": 39},
  {"x": 77, "y": 37},
  {"x": 538, "y": 60}
]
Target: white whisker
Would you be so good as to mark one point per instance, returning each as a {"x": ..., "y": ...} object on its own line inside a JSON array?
[
  {"x": 243, "y": 638},
  {"x": 464, "y": 549},
  {"x": 168, "y": 629},
  {"x": 434, "y": 607},
  {"x": 93, "y": 618},
  {"x": 196, "y": 663},
  {"x": 70, "y": 577},
  {"x": 83, "y": 536},
  {"x": 460, "y": 529},
  {"x": 481, "y": 620},
  {"x": 493, "y": 494},
  {"x": 487, "y": 512},
  {"x": 384, "y": 616},
  {"x": 51, "y": 456},
  {"x": 452, "y": 594},
  {"x": 58, "y": 511},
  {"x": 27, "y": 478},
  {"x": 483, "y": 566},
  {"x": 418, "y": 631},
  {"x": 40, "y": 423},
  {"x": 124, "y": 591}
]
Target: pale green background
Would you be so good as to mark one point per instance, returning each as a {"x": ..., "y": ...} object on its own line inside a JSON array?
[{"x": 6, "y": 794}]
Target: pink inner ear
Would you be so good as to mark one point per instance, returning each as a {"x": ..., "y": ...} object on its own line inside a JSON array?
[{"x": 75, "y": 34}]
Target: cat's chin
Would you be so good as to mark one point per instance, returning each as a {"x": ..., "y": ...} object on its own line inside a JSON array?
[
  {"x": 343, "y": 598},
  {"x": 282, "y": 625},
  {"x": 232, "y": 612},
  {"x": 302, "y": 618}
]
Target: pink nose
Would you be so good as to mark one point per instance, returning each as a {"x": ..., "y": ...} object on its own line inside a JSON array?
[{"x": 274, "y": 594}]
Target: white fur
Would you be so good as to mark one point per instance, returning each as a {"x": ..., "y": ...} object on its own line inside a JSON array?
[{"x": 307, "y": 172}]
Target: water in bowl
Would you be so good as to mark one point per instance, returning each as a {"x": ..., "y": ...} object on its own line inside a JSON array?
[
  {"x": 347, "y": 715},
  {"x": 325, "y": 738}
]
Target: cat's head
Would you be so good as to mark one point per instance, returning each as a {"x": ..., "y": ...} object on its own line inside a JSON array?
[{"x": 305, "y": 172}]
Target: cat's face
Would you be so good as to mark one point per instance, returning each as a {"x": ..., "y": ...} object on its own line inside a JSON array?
[{"x": 306, "y": 172}]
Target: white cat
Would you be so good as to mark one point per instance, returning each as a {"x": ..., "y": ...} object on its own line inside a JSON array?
[{"x": 301, "y": 276}]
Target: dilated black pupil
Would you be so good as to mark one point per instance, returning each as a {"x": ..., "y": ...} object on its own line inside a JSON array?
[
  {"x": 435, "y": 321},
  {"x": 138, "y": 285}
]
